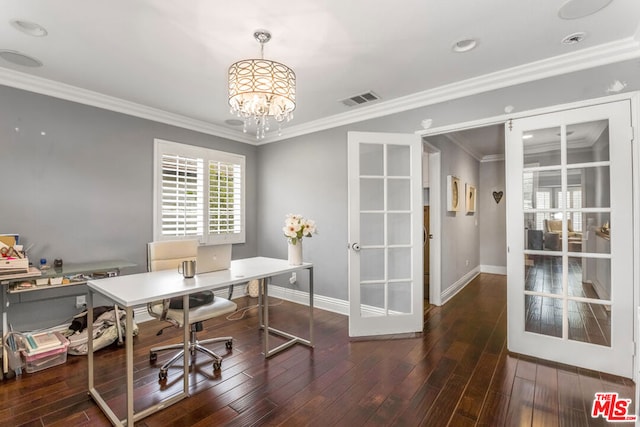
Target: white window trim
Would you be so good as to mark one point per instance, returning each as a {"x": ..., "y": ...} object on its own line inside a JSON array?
[{"x": 163, "y": 146}]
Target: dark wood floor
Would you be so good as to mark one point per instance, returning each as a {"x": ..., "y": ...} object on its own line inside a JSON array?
[{"x": 458, "y": 373}]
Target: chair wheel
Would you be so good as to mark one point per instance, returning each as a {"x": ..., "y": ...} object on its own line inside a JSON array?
[
  {"x": 217, "y": 365},
  {"x": 153, "y": 356},
  {"x": 229, "y": 345},
  {"x": 162, "y": 375}
]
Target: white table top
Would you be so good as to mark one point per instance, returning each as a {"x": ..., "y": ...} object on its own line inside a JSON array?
[{"x": 137, "y": 289}]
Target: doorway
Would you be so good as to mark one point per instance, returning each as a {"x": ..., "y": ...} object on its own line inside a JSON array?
[{"x": 425, "y": 239}]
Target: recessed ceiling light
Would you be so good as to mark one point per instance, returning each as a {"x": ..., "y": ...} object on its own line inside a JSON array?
[
  {"x": 18, "y": 58},
  {"x": 29, "y": 28},
  {"x": 575, "y": 9},
  {"x": 464, "y": 45},
  {"x": 574, "y": 38},
  {"x": 234, "y": 122}
]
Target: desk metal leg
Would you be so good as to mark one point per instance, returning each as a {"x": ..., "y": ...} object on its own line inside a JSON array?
[
  {"x": 5, "y": 330},
  {"x": 132, "y": 416},
  {"x": 186, "y": 338},
  {"x": 263, "y": 305},
  {"x": 90, "y": 338},
  {"x": 129, "y": 353},
  {"x": 311, "y": 307},
  {"x": 265, "y": 315}
]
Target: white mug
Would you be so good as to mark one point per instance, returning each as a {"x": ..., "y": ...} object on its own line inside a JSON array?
[{"x": 188, "y": 268}]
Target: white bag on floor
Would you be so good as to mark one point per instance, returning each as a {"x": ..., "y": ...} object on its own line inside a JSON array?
[{"x": 106, "y": 331}]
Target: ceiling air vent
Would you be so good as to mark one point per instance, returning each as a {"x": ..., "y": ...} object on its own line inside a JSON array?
[{"x": 360, "y": 99}]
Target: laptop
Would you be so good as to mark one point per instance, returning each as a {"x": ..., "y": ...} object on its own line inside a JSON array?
[{"x": 213, "y": 258}]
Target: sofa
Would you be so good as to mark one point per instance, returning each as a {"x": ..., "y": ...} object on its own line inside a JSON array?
[{"x": 553, "y": 234}]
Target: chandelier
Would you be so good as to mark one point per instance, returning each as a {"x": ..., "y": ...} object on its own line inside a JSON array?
[{"x": 261, "y": 90}]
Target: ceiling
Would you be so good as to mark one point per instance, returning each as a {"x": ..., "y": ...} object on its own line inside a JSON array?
[{"x": 168, "y": 60}]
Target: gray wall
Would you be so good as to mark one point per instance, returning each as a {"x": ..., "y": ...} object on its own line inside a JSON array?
[
  {"x": 460, "y": 230},
  {"x": 307, "y": 176},
  {"x": 83, "y": 191},
  {"x": 492, "y": 216}
]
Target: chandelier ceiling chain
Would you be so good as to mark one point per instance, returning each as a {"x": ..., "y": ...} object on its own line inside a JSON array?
[{"x": 260, "y": 90}]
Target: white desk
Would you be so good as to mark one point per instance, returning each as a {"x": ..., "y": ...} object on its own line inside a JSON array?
[{"x": 137, "y": 289}]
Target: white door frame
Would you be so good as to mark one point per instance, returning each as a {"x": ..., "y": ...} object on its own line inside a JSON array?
[
  {"x": 634, "y": 97},
  {"x": 435, "y": 225}
]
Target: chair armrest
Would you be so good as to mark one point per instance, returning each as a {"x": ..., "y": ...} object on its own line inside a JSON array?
[{"x": 165, "y": 309}]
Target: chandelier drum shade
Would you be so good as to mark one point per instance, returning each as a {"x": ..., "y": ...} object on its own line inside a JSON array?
[{"x": 260, "y": 90}]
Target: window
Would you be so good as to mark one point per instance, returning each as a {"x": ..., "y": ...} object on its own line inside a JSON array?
[
  {"x": 543, "y": 201},
  {"x": 198, "y": 193},
  {"x": 574, "y": 197}
]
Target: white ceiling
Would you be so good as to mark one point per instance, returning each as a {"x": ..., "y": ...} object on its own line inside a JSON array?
[{"x": 168, "y": 60}]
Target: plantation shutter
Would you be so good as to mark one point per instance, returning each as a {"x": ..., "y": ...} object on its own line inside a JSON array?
[
  {"x": 225, "y": 201},
  {"x": 182, "y": 196}
]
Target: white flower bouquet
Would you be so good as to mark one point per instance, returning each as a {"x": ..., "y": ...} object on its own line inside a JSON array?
[{"x": 296, "y": 227}]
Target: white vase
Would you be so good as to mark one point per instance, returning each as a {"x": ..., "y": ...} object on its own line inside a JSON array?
[{"x": 295, "y": 253}]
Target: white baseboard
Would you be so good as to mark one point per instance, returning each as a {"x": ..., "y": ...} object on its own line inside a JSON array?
[
  {"x": 334, "y": 305},
  {"x": 601, "y": 291},
  {"x": 141, "y": 314},
  {"x": 459, "y": 285},
  {"x": 493, "y": 269}
]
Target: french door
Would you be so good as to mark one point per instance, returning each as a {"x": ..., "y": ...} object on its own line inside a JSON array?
[
  {"x": 569, "y": 233},
  {"x": 385, "y": 233}
]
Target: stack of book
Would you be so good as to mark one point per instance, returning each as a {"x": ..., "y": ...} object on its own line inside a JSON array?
[{"x": 44, "y": 342}]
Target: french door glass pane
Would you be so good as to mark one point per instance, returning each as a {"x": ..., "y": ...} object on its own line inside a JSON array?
[
  {"x": 588, "y": 142},
  {"x": 399, "y": 263},
  {"x": 590, "y": 277},
  {"x": 543, "y": 273},
  {"x": 595, "y": 181},
  {"x": 545, "y": 185},
  {"x": 371, "y": 229},
  {"x": 590, "y": 323},
  {"x": 399, "y": 233},
  {"x": 371, "y": 264},
  {"x": 541, "y": 147},
  {"x": 398, "y": 160},
  {"x": 372, "y": 300},
  {"x": 400, "y": 297},
  {"x": 371, "y": 159},
  {"x": 398, "y": 194},
  {"x": 371, "y": 194},
  {"x": 543, "y": 315}
]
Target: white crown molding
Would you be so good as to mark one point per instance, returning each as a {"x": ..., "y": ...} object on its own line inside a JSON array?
[
  {"x": 492, "y": 158},
  {"x": 95, "y": 99},
  {"x": 603, "y": 54}
]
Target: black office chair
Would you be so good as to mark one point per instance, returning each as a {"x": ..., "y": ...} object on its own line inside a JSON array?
[{"x": 169, "y": 254}]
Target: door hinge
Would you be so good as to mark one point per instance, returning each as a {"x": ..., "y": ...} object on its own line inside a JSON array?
[
  {"x": 633, "y": 348},
  {"x": 632, "y": 131}
]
